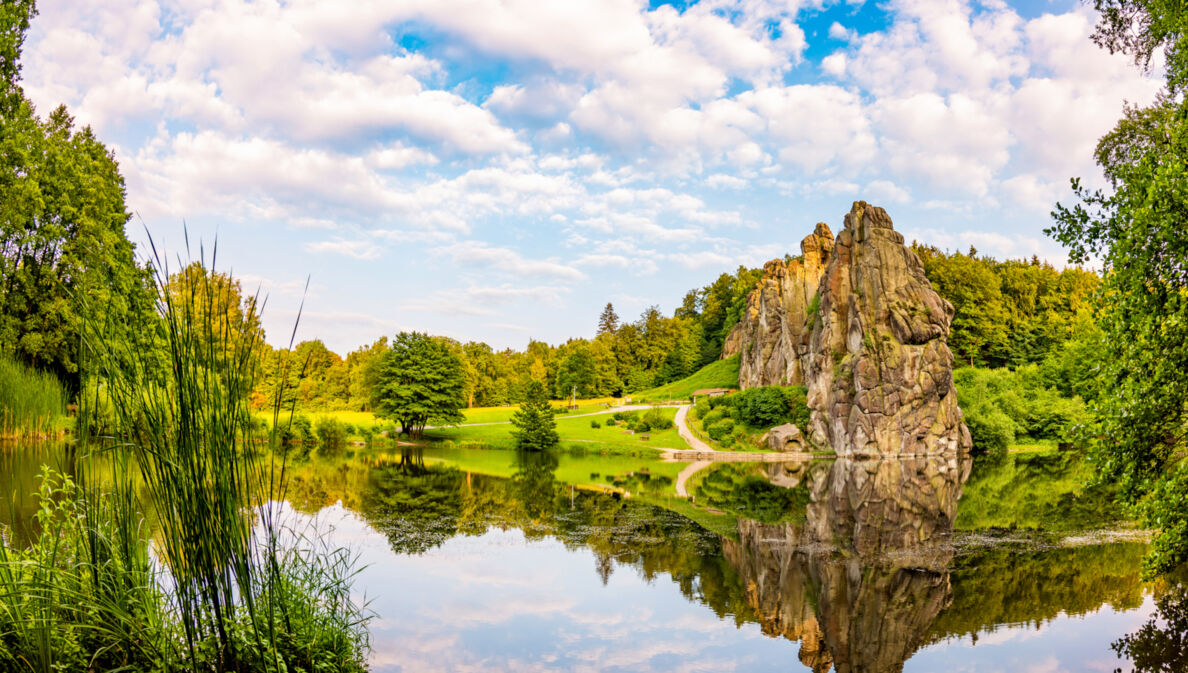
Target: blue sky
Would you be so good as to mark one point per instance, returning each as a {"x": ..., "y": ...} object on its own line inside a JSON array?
[{"x": 499, "y": 170}]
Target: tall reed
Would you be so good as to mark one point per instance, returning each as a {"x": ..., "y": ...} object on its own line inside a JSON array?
[
  {"x": 238, "y": 590},
  {"x": 32, "y": 403}
]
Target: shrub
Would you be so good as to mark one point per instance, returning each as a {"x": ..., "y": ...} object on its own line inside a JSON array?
[
  {"x": 595, "y": 424},
  {"x": 992, "y": 431},
  {"x": 610, "y": 422},
  {"x": 720, "y": 429},
  {"x": 714, "y": 416},
  {"x": 330, "y": 432},
  {"x": 702, "y": 407},
  {"x": 656, "y": 419},
  {"x": 302, "y": 429}
]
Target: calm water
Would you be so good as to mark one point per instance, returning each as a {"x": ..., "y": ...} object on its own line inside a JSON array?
[{"x": 493, "y": 561}]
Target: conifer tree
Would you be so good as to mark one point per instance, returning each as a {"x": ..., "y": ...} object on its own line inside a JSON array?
[
  {"x": 608, "y": 322},
  {"x": 536, "y": 429}
]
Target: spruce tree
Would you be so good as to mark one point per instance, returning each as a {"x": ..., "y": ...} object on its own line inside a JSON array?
[
  {"x": 608, "y": 322},
  {"x": 536, "y": 430}
]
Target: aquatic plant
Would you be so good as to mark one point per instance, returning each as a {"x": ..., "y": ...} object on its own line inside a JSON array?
[
  {"x": 236, "y": 589},
  {"x": 31, "y": 402}
]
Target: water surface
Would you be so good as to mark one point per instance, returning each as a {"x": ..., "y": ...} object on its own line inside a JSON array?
[{"x": 491, "y": 560}]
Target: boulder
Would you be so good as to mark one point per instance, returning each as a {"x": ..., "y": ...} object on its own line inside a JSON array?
[{"x": 786, "y": 437}]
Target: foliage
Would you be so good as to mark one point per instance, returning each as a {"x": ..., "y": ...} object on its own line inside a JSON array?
[
  {"x": 535, "y": 427},
  {"x": 656, "y": 419},
  {"x": 189, "y": 431},
  {"x": 420, "y": 380},
  {"x": 1001, "y": 406},
  {"x": 31, "y": 402},
  {"x": 62, "y": 240},
  {"x": 768, "y": 406},
  {"x": 720, "y": 429},
  {"x": 1136, "y": 229},
  {"x": 1008, "y": 313}
]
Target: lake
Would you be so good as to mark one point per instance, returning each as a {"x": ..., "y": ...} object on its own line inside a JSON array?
[{"x": 482, "y": 559}]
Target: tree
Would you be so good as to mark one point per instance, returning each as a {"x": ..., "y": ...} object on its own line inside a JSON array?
[
  {"x": 1137, "y": 228},
  {"x": 420, "y": 380},
  {"x": 608, "y": 322},
  {"x": 576, "y": 372},
  {"x": 535, "y": 427},
  {"x": 63, "y": 250}
]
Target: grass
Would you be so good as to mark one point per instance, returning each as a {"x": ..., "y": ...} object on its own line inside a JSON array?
[
  {"x": 573, "y": 431},
  {"x": 474, "y": 415},
  {"x": 32, "y": 403},
  {"x": 720, "y": 374},
  {"x": 231, "y": 588}
]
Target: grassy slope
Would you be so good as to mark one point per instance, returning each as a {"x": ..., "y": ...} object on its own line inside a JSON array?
[{"x": 720, "y": 374}]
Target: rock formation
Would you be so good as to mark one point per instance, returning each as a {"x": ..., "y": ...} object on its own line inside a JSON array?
[
  {"x": 773, "y": 336},
  {"x": 856, "y": 322}
]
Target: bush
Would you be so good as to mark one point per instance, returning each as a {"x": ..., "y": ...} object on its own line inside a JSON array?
[
  {"x": 625, "y": 415},
  {"x": 656, "y": 419},
  {"x": 714, "y": 416},
  {"x": 330, "y": 432},
  {"x": 610, "y": 422},
  {"x": 720, "y": 429},
  {"x": 992, "y": 431},
  {"x": 595, "y": 424},
  {"x": 702, "y": 407},
  {"x": 302, "y": 429}
]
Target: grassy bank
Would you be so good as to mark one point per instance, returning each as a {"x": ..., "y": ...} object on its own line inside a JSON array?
[
  {"x": 720, "y": 374},
  {"x": 32, "y": 403}
]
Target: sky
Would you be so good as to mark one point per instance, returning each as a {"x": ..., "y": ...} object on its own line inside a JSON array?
[{"x": 498, "y": 170}]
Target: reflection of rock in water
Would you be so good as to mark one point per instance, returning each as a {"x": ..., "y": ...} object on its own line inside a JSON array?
[{"x": 862, "y": 579}]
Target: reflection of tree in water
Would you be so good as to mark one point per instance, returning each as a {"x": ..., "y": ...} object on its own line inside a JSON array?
[
  {"x": 535, "y": 484},
  {"x": 416, "y": 506},
  {"x": 1161, "y": 645},
  {"x": 862, "y": 580}
]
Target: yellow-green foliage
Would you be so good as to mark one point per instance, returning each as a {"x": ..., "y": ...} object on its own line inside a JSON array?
[{"x": 31, "y": 402}]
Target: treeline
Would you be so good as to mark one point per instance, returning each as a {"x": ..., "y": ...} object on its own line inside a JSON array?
[
  {"x": 1009, "y": 313},
  {"x": 620, "y": 359}
]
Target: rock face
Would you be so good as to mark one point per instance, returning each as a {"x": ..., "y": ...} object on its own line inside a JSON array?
[
  {"x": 857, "y": 323},
  {"x": 773, "y": 336}
]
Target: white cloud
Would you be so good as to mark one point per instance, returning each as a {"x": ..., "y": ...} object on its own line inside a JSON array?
[{"x": 506, "y": 260}]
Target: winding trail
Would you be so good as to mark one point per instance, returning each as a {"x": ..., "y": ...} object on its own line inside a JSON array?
[{"x": 682, "y": 423}]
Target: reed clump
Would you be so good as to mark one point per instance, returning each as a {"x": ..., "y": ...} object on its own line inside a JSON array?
[
  {"x": 234, "y": 587},
  {"x": 32, "y": 403}
]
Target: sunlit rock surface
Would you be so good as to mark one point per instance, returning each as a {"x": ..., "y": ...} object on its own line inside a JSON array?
[{"x": 856, "y": 322}]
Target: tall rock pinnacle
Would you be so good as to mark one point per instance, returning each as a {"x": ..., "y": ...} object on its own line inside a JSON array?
[{"x": 857, "y": 323}]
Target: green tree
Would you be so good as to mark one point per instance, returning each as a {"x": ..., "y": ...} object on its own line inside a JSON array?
[
  {"x": 576, "y": 372},
  {"x": 535, "y": 427},
  {"x": 1137, "y": 229},
  {"x": 63, "y": 249},
  {"x": 420, "y": 380}
]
